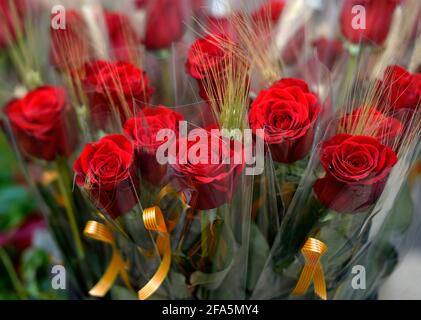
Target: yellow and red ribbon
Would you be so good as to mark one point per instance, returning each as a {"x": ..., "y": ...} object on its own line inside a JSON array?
[{"x": 312, "y": 251}]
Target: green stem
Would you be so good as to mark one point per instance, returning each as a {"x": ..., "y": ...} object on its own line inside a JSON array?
[
  {"x": 350, "y": 72},
  {"x": 204, "y": 233},
  {"x": 65, "y": 187},
  {"x": 19, "y": 288},
  {"x": 166, "y": 80}
]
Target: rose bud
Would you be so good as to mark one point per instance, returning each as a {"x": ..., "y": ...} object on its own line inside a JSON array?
[
  {"x": 371, "y": 122},
  {"x": 356, "y": 169},
  {"x": 293, "y": 48},
  {"x": 40, "y": 123},
  {"x": 143, "y": 131},
  {"x": 201, "y": 167},
  {"x": 207, "y": 61},
  {"x": 287, "y": 111},
  {"x": 378, "y": 18},
  {"x": 23, "y": 236},
  {"x": 105, "y": 169},
  {"x": 70, "y": 46},
  {"x": 328, "y": 51},
  {"x": 12, "y": 14},
  {"x": 123, "y": 37},
  {"x": 267, "y": 17},
  {"x": 164, "y": 22},
  {"x": 399, "y": 89},
  {"x": 269, "y": 13},
  {"x": 115, "y": 89}
]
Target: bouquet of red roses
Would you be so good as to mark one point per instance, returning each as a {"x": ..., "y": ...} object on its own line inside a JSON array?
[{"x": 247, "y": 155}]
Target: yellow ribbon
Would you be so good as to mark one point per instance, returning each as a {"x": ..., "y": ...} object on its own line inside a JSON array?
[
  {"x": 312, "y": 251},
  {"x": 153, "y": 220},
  {"x": 49, "y": 177},
  {"x": 101, "y": 232}
]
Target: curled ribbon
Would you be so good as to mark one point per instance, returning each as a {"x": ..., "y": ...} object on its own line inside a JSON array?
[
  {"x": 101, "y": 232},
  {"x": 154, "y": 221},
  {"x": 312, "y": 251}
]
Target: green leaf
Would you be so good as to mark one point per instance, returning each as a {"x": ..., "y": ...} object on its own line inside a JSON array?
[
  {"x": 15, "y": 204},
  {"x": 210, "y": 281}
]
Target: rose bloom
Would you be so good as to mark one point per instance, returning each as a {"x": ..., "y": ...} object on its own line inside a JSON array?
[
  {"x": 266, "y": 17},
  {"x": 40, "y": 123},
  {"x": 399, "y": 89},
  {"x": 21, "y": 238},
  {"x": 373, "y": 123},
  {"x": 205, "y": 55},
  {"x": 105, "y": 169},
  {"x": 9, "y": 23},
  {"x": 328, "y": 51},
  {"x": 143, "y": 131},
  {"x": 207, "y": 61},
  {"x": 356, "y": 169},
  {"x": 214, "y": 184},
  {"x": 115, "y": 88},
  {"x": 269, "y": 13},
  {"x": 379, "y": 15},
  {"x": 287, "y": 111},
  {"x": 164, "y": 22},
  {"x": 70, "y": 46},
  {"x": 123, "y": 37}
]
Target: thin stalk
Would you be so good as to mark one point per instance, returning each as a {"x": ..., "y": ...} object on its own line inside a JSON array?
[
  {"x": 166, "y": 80},
  {"x": 64, "y": 185},
  {"x": 350, "y": 72},
  {"x": 19, "y": 288}
]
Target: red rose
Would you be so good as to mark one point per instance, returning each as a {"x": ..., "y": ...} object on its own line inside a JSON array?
[
  {"x": 287, "y": 111},
  {"x": 207, "y": 55},
  {"x": 378, "y": 15},
  {"x": 119, "y": 89},
  {"x": 105, "y": 169},
  {"x": 213, "y": 181},
  {"x": 399, "y": 89},
  {"x": 164, "y": 22},
  {"x": 123, "y": 37},
  {"x": 70, "y": 46},
  {"x": 11, "y": 20},
  {"x": 328, "y": 51},
  {"x": 269, "y": 13},
  {"x": 143, "y": 131},
  {"x": 207, "y": 61},
  {"x": 371, "y": 122},
  {"x": 219, "y": 25},
  {"x": 39, "y": 122},
  {"x": 356, "y": 168},
  {"x": 22, "y": 237},
  {"x": 293, "y": 48}
]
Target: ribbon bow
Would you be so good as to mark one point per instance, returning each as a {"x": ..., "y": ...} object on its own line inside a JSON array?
[
  {"x": 153, "y": 220},
  {"x": 312, "y": 251}
]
